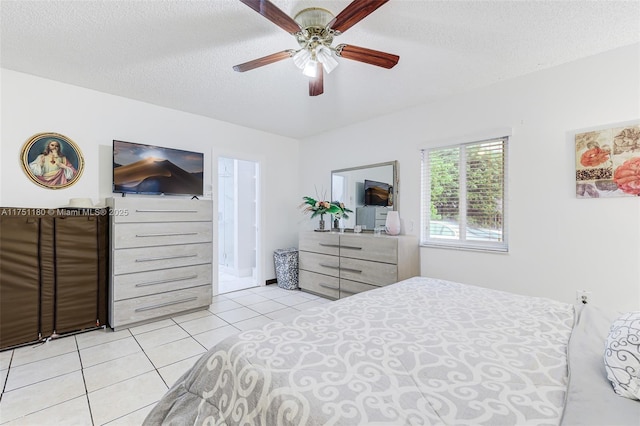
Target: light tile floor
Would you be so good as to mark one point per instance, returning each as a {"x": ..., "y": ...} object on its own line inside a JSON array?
[
  {"x": 104, "y": 377},
  {"x": 228, "y": 282}
]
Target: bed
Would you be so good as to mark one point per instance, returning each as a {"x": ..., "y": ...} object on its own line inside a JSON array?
[{"x": 421, "y": 351}]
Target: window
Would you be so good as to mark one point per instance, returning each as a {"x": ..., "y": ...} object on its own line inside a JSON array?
[{"x": 463, "y": 195}]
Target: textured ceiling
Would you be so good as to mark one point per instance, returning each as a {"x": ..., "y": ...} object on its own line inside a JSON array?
[{"x": 179, "y": 54}]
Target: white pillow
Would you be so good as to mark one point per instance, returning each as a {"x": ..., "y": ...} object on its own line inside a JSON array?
[{"x": 622, "y": 355}]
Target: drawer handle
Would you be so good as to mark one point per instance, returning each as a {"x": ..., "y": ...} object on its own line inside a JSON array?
[
  {"x": 351, "y": 247},
  {"x": 162, "y": 305},
  {"x": 357, "y": 271},
  {"x": 170, "y": 234},
  {"x": 152, "y": 259},
  {"x": 170, "y": 280},
  {"x": 348, "y": 292},
  {"x": 329, "y": 286},
  {"x": 165, "y": 211},
  {"x": 329, "y": 245},
  {"x": 329, "y": 266}
]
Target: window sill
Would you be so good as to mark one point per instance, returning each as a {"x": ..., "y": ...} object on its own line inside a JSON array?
[{"x": 485, "y": 248}]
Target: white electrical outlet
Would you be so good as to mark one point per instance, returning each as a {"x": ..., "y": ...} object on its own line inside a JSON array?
[{"x": 583, "y": 296}]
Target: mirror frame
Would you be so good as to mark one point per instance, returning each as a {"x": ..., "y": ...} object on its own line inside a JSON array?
[{"x": 395, "y": 182}]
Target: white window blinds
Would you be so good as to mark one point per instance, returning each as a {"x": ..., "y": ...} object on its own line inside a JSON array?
[{"x": 463, "y": 195}]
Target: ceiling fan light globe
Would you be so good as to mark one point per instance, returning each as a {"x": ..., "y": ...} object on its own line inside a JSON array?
[
  {"x": 325, "y": 57},
  {"x": 311, "y": 69},
  {"x": 301, "y": 58},
  {"x": 330, "y": 66}
]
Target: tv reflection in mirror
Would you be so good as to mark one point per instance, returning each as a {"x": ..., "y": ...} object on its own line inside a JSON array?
[
  {"x": 148, "y": 169},
  {"x": 377, "y": 193}
]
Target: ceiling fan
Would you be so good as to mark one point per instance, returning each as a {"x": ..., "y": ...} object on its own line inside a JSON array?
[{"x": 314, "y": 29}]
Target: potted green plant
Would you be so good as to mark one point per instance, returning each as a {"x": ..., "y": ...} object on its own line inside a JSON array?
[{"x": 320, "y": 208}]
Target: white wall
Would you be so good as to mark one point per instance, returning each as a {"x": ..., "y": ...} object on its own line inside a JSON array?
[
  {"x": 92, "y": 120},
  {"x": 558, "y": 243}
]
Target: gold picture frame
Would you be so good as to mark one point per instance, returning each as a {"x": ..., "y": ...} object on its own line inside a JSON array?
[{"x": 52, "y": 160}]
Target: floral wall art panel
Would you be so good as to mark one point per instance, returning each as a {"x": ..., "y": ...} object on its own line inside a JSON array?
[{"x": 608, "y": 162}]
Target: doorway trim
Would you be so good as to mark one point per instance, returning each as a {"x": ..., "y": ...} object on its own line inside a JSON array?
[{"x": 259, "y": 264}]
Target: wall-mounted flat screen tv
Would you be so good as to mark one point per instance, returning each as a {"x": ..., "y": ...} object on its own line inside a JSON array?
[
  {"x": 377, "y": 193},
  {"x": 148, "y": 169}
]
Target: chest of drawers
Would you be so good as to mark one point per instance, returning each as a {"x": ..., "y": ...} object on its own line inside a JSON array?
[
  {"x": 337, "y": 265},
  {"x": 161, "y": 258},
  {"x": 371, "y": 217}
]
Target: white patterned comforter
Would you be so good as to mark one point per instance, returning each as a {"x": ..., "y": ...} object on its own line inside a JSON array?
[{"x": 422, "y": 351}]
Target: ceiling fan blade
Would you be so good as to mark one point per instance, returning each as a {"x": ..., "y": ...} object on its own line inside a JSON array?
[
  {"x": 316, "y": 84},
  {"x": 368, "y": 56},
  {"x": 356, "y": 11},
  {"x": 275, "y": 15},
  {"x": 266, "y": 60}
]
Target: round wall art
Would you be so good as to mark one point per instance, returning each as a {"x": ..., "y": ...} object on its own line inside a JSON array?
[{"x": 52, "y": 160}]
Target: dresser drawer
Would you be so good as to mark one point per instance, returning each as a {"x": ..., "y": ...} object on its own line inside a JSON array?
[
  {"x": 160, "y": 210},
  {"x": 159, "y": 305},
  {"x": 321, "y": 263},
  {"x": 320, "y": 242},
  {"x": 320, "y": 284},
  {"x": 348, "y": 288},
  {"x": 128, "y": 235},
  {"x": 378, "y": 249},
  {"x": 368, "y": 272},
  {"x": 128, "y": 286},
  {"x": 381, "y": 215},
  {"x": 152, "y": 258}
]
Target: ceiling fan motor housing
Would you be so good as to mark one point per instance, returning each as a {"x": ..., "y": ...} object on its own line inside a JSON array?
[{"x": 313, "y": 22}]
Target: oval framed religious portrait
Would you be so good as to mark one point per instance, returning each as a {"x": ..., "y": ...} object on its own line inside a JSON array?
[{"x": 52, "y": 160}]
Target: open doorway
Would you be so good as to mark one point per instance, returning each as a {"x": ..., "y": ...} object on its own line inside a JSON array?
[{"x": 237, "y": 224}]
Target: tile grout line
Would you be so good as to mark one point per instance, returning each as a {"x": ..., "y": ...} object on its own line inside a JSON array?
[
  {"x": 138, "y": 375},
  {"x": 84, "y": 382}
]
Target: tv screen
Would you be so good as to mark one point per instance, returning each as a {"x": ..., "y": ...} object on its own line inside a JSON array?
[
  {"x": 377, "y": 193},
  {"x": 148, "y": 169}
]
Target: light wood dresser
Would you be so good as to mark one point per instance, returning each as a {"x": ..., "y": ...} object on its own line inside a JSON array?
[
  {"x": 161, "y": 258},
  {"x": 337, "y": 265}
]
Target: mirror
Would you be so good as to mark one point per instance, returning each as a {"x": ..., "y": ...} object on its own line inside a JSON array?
[{"x": 370, "y": 191}]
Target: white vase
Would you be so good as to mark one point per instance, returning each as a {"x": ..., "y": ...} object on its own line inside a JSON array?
[{"x": 392, "y": 224}]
